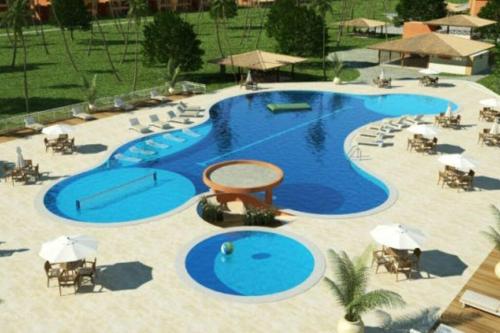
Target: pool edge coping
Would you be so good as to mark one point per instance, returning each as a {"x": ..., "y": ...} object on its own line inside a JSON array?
[{"x": 313, "y": 279}]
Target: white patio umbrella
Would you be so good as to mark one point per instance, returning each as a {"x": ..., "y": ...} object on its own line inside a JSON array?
[
  {"x": 68, "y": 248},
  {"x": 495, "y": 129},
  {"x": 448, "y": 110},
  {"x": 249, "y": 77},
  {"x": 20, "y": 159},
  {"x": 58, "y": 129},
  {"x": 490, "y": 102},
  {"x": 382, "y": 74},
  {"x": 428, "y": 71},
  {"x": 458, "y": 161},
  {"x": 398, "y": 236},
  {"x": 425, "y": 130}
]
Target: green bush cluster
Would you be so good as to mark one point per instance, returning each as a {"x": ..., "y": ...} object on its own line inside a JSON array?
[
  {"x": 259, "y": 216},
  {"x": 211, "y": 212}
]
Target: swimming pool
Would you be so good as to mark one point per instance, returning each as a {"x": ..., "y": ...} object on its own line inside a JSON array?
[
  {"x": 307, "y": 145},
  {"x": 265, "y": 265}
]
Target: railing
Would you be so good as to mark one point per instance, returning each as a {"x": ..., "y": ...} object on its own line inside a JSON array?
[
  {"x": 14, "y": 123},
  {"x": 78, "y": 202}
]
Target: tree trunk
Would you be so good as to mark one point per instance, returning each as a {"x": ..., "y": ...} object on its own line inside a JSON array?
[
  {"x": 125, "y": 50},
  {"x": 65, "y": 41},
  {"x": 136, "y": 65},
  {"x": 14, "y": 51},
  {"x": 71, "y": 34},
  {"x": 91, "y": 40},
  {"x": 25, "y": 73},
  {"x": 9, "y": 37},
  {"x": 324, "y": 48},
  {"x": 44, "y": 41},
  {"x": 108, "y": 55},
  {"x": 261, "y": 25},
  {"x": 217, "y": 33},
  {"x": 116, "y": 22}
]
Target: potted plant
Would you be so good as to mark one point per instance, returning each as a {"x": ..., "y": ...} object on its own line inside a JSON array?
[
  {"x": 90, "y": 91},
  {"x": 173, "y": 72},
  {"x": 338, "y": 67},
  {"x": 350, "y": 291},
  {"x": 494, "y": 235}
]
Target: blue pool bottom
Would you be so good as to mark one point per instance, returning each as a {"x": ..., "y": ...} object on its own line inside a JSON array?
[{"x": 263, "y": 263}]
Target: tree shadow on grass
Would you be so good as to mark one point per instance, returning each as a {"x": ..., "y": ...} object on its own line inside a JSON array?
[
  {"x": 19, "y": 68},
  {"x": 15, "y": 106},
  {"x": 65, "y": 86}
]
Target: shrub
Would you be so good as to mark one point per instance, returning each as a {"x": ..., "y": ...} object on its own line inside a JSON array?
[
  {"x": 210, "y": 212},
  {"x": 259, "y": 216},
  {"x": 297, "y": 29}
]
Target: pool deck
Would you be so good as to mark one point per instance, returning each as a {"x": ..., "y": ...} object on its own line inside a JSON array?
[{"x": 139, "y": 289}]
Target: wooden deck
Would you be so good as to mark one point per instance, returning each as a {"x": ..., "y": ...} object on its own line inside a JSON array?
[{"x": 471, "y": 320}]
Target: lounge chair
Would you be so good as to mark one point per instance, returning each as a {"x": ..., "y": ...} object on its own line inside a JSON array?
[
  {"x": 455, "y": 122},
  {"x": 187, "y": 107},
  {"x": 120, "y": 105},
  {"x": 156, "y": 122},
  {"x": 189, "y": 113},
  {"x": 173, "y": 138},
  {"x": 191, "y": 133},
  {"x": 155, "y": 144},
  {"x": 137, "y": 150},
  {"x": 416, "y": 119},
  {"x": 78, "y": 113},
  {"x": 481, "y": 302},
  {"x": 136, "y": 126},
  {"x": 155, "y": 96},
  {"x": 29, "y": 122},
  {"x": 125, "y": 158},
  {"x": 381, "y": 127},
  {"x": 372, "y": 133},
  {"x": 370, "y": 142},
  {"x": 172, "y": 118}
]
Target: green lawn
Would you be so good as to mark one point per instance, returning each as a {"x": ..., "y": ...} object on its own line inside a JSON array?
[{"x": 53, "y": 83}]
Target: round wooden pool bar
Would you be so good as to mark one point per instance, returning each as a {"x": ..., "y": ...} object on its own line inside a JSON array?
[{"x": 243, "y": 177}]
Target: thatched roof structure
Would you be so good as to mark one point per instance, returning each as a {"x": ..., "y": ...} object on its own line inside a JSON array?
[
  {"x": 434, "y": 44},
  {"x": 466, "y": 21},
  {"x": 258, "y": 60},
  {"x": 363, "y": 23}
]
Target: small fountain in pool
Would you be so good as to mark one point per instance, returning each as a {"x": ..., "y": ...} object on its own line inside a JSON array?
[{"x": 227, "y": 248}]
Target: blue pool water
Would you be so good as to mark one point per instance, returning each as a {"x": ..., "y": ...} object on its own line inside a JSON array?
[
  {"x": 307, "y": 145},
  {"x": 262, "y": 263}
]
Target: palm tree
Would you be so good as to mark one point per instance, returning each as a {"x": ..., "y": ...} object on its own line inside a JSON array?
[
  {"x": 36, "y": 13},
  {"x": 322, "y": 7},
  {"x": 65, "y": 41},
  {"x": 493, "y": 234},
  {"x": 15, "y": 18},
  {"x": 137, "y": 10},
  {"x": 350, "y": 287},
  {"x": 216, "y": 9},
  {"x": 105, "y": 42}
]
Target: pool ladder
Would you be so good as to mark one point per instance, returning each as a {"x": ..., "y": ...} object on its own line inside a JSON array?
[{"x": 355, "y": 152}]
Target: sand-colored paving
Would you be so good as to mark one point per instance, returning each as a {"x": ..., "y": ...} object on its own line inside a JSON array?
[{"x": 127, "y": 300}]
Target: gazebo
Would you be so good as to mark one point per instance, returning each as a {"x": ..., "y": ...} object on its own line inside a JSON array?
[
  {"x": 443, "y": 53},
  {"x": 259, "y": 61},
  {"x": 463, "y": 21},
  {"x": 364, "y": 23}
]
